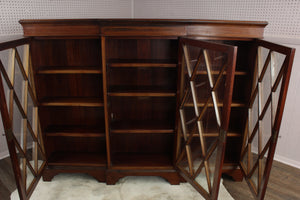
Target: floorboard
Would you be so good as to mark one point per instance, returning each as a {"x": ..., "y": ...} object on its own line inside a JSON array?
[
  {"x": 284, "y": 184},
  {"x": 7, "y": 181}
]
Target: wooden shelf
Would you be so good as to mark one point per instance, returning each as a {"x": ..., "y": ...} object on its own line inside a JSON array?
[
  {"x": 145, "y": 126},
  {"x": 141, "y": 161},
  {"x": 142, "y": 63},
  {"x": 77, "y": 159},
  {"x": 150, "y": 91},
  {"x": 69, "y": 70},
  {"x": 76, "y": 101},
  {"x": 75, "y": 131}
]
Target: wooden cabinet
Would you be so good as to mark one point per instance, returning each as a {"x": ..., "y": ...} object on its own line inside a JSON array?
[{"x": 180, "y": 99}]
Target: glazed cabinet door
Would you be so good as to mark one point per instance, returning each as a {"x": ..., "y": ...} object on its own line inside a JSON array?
[
  {"x": 206, "y": 75},
  {"x": 270, "y": 81},
  {"x": 19, "y": 114}
]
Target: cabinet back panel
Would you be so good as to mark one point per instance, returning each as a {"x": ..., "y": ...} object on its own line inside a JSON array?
[
  {"x": 241, "y": 89},
  {"x": 233, "y": 149},
  {"x": 142, "y": 143},
  {"x": 67, "y": 52},
  {"x": 144, "y": 108},
  {"x": 237, "y": 120},
  {"x": 156, "y": 77},
  {"x": 142, "y": 49},
  {"x": 69, "y": 85},
  {"x": 75, "y": 145},
  {"x": 71, "y": 116}
]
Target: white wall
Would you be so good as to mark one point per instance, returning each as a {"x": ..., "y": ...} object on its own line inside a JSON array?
[
  {"x": 11, "y": 11},
  {"x": 283, "y": 15},
  {"x": 284, "y": 27}
]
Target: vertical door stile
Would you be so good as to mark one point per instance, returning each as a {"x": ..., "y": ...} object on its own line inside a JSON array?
[
  {"x": 200, "y": 162},
  {"x": 23, "y": 138},
  {"x": 105, "y": 81},
  {"x": 7, "y": 117},
  {"x": 269, "y": 97}
]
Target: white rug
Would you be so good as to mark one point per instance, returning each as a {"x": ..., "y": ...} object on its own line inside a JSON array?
[{"x": 80, "y": 186}]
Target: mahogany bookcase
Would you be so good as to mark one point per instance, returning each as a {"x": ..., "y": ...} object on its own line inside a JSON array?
[{"x": 180, "y": 99}]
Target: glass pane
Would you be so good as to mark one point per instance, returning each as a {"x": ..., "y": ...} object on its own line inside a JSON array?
[
  {"x": 30, "y": 110},
  {"x": 212, "y": 165},
  {"x": 29, "y": 177},
  {"x": 266, "y": 86},
  {"x": 205, "y": 79},
  {"x": 189, "y": 109},
  {"x": 19, "y": 83},
  {"x": 29, "y": 79},
  {"x": 40, "y": 158},
  {"x": 17, "y": 124},
  {"x": 197, "y": 154},
  {"x": 244, "y": 161},
  {"x": 266, "y": 127},
  {"x": 6, "y": 90},
  {"x": 29, "y": 147},
  {"x": 275, "y": 99},
  {"x": 254, "y": 179},
  {"x": 21, "y": 163},
  {"x": 263, "y": 163},
  {"x": 208, "y": 145},
  {"x": 253, "y": 115},
  {"x": 3, "y": 143},
  {"x": 255, "y": 148},
  {"x": 21, "y": 51},
  {"x": 5, "y": 56},
  {"x": 194, "y": 53},
  {"x": 277, "y": 61},
  {"x": 202, "y": 180},
  {"x": 39, "y": 137},
  {"x": 263, "y": 55}
]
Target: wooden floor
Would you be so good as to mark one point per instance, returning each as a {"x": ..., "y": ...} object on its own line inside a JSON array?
[
  {"x": 284, "y": 183},
  {"x": 7, "y": 181}
]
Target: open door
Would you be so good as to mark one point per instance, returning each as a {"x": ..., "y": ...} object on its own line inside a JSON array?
[
  {"x": 19, "y": 114},
  {"x": 271, "y": 76},
  {"x": 207, "y": 76}
]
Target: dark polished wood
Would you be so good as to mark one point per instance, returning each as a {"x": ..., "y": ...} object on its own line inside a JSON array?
[
  {"x": 13, "y": 41},
  {"x": 98, "y": 173},
  {"x": 143, "y": 27},
  {"x": 112, "y": 176}
]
